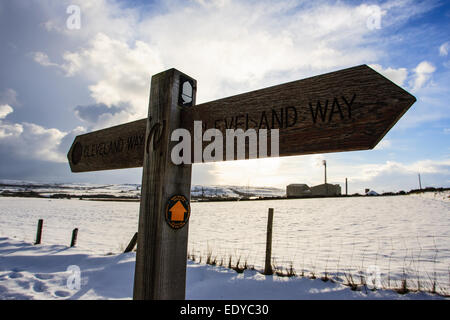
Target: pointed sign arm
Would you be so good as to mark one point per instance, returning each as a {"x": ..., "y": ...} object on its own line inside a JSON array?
[{"x": 346, "y": 110}]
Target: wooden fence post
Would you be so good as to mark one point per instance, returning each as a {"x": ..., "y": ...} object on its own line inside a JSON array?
[
  {"x": 268, "y": 265},
  {"x": 132, "y": 243},
  {"x": 39, "y": 231},
  {"x": 74, "y": 237},
  {"x": 160, "y": 272}
]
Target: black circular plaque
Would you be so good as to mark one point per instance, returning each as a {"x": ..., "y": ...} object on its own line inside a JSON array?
[{"x": 178, "y": 211}]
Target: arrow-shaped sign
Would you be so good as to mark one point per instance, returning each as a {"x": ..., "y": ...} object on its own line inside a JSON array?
[
  {"x": 177, "y": 212},
  {"x": 346, "y": 110}
]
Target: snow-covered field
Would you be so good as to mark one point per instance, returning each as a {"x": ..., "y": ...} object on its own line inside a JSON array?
[
  {"x": 396, "y": 238},
  {"x": 50, "y": 271}
]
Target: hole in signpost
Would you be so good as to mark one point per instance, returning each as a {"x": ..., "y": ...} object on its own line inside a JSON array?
[{"x": 186, "y": 92}]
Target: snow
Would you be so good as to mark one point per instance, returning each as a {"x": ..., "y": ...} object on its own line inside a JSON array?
[
  {"x": 133, "y": 190},
  {"x": 404, "y": 236},
  {"x": 43, "y": 272},
  {"x": 40, "y": 272}
]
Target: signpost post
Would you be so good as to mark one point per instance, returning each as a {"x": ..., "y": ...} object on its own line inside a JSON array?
[
  {"x": 346, "y": 110},
  {"x": 162, "y": 249}
]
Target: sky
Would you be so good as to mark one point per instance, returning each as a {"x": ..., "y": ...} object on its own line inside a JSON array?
[{"x": 71, "y": 67}]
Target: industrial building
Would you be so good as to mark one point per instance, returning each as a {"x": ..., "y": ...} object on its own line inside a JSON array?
[
  {"x": 298, "y": 190},
  {"x": 321, "y": 190},
  {"x": 326, "y": 189},
  {"x": 303, "y": 190}
]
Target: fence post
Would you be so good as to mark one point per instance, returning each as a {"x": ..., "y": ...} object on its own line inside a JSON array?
[
  {"x": 132, "y": 243},
  {"x": 74, "y": 237},
  {"x": 268, "y": 266},
  {"x": 39, "y": 231}
]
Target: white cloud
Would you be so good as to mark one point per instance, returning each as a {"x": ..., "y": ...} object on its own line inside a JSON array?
[
  {"x": 30, "y": 141},
  {"x": 251, "y": 45},
  {"x": 395, "y": 75},
  {"x": 382, "y": 177},
  {"x": 395, "y": 176},
  {"x": 384, "y": 144},
  {"x": 5, "y": 110},
  {"x": 423, "y": 72},
  {"x": 120, "y": 72},
  {"x": 10, "y": 130},
  {"x": 230, "y": 47},
  {"x": 443, "y": 49},
  {"x": 43, "y": 59}
]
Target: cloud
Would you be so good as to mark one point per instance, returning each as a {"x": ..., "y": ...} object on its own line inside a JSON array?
[
  {"x": 432, "y": 103},
  {"x": 228, "y": 46},
  {"x": 98, "y": 113},
  {"x": 30, "y": 152},
  {"x": 443, "y": 49},
  {"x": 423, "y": 72},
  {"x": 121, "y": 76},
  {"x": 384, "y": 144},
  {"x": 8, "y": 130},
  {"x": 395, "y": 75},
  {"x": 247, "y": 45},
  {"x": 43, "y": 59},
  {"x": 9, "y": 97},
  {"x": 33, "y": 142},
  {"x": 395, "y": 176},
  {"x": 382, "y": 177},
  {"x": 67, "y": 140},
  {"x": 5, "y": 110}
]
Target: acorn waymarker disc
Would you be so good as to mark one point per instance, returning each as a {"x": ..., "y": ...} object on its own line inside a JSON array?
[{"x": 178, "y": 211}]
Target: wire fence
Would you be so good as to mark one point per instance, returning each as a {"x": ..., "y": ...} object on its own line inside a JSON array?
[{"x": 402, "y": 263}]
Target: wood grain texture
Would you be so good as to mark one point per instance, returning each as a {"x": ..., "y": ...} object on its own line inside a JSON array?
[
  {"x": 118, "y": 147},
  {"x": 346, "y": 110},
  {"x": 162, "y": 251}
]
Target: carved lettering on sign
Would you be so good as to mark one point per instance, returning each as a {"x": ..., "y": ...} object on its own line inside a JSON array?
[
  {"x": 321, "y": 109},
  {"x": 135, "y": 141},
  {"x": 103, "y": 148},
  {"x": 282, "y": 118},
  {"x": 109, "y": 148}
]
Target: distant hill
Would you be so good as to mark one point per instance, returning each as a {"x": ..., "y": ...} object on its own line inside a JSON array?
[{"x": 127, "y": 191}]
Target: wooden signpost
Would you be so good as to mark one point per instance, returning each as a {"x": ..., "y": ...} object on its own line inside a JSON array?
[{"x": 347, "y": 110}]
